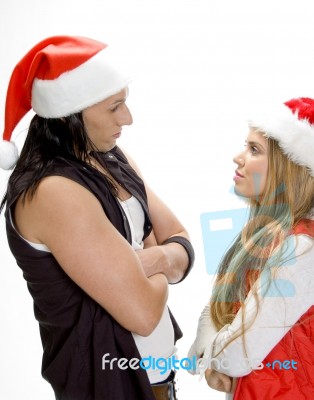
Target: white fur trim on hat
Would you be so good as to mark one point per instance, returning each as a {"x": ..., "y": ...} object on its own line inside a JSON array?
[
  {"x": 295, "y": 136},
  {"x": 93, "y": 81},
  {"x": 8, "y": 154}
]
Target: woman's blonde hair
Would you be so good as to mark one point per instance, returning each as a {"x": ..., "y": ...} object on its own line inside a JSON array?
[{"x": 287, "y": 198}]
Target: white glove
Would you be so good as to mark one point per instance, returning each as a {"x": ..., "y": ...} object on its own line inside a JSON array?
[{"x": 206, "y": 331}]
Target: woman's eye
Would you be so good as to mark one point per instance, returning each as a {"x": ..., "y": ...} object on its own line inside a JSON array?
[{"x": 254, "y": 149}]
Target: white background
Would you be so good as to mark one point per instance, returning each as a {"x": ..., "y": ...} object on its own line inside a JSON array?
[{"x": 197, "y": 66}]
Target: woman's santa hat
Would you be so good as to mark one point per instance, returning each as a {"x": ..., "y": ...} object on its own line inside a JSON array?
[
  {"x": 60, "y": 76},
  {"x": 292, "y": 125}
]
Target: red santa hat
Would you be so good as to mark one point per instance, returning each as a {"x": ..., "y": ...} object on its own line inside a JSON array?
[
  {"x": 60, "y": 76},
  {"x": 292, "y": 125}
]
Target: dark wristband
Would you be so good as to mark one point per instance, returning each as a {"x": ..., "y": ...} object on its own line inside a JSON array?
[{"x": 188, "y": 248}]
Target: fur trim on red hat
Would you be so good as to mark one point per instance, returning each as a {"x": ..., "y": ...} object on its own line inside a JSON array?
[
  {"x": 292, "y": 127},
  {"x": 91, "y": 82}
]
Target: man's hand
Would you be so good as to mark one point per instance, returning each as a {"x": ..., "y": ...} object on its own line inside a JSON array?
[
  {"x": 170, "y": 259},
  {"x": 153, "y": 260}
]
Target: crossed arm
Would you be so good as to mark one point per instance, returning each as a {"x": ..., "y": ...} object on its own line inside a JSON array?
[
  {"x": 170, "y": 259},
  {"x": 70, "y": 221}
]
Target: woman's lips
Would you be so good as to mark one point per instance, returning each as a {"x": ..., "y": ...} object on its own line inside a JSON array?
[{"x": 237, "y": 176}]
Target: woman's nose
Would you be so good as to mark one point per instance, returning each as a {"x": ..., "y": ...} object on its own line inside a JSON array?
[{"x": 238, "y": 159}]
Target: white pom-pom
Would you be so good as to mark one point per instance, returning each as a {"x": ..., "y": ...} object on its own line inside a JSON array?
[{"x": 8, "y": 154}]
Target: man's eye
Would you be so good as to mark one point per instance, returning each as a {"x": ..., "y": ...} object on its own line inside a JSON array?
[{"x": 115, "y": 108}]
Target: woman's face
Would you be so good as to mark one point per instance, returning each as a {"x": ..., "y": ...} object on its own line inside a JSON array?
[
  {"x": 104, "y": 121},
  {"x": 250, "y": 178}
]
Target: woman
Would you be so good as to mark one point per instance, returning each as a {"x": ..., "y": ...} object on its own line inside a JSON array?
[
  {"x": 96, "y": 246},
  {"x": 258, "y": 325}
]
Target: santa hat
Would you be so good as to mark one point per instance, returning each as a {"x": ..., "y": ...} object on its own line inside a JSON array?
[
  {"x": 292, "y": 125},
  {"x": 60, "y": 76}
]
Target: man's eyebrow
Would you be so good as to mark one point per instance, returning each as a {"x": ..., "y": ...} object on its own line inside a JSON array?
[{"x": 118, "y": 101}]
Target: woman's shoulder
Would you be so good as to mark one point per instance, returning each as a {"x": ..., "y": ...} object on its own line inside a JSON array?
[
  {"x": 302, "y": 237},
  {"x": 305, "y": 226}
]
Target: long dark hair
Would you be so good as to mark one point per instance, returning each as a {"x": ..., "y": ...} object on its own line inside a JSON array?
[{"x": 46, "y": 140}]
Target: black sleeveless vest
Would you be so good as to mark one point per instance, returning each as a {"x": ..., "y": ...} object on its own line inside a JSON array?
[{"x": 75, "y": 331}]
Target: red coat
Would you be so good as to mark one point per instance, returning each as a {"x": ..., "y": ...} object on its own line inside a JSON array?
[{"x": 291, "y": 376}]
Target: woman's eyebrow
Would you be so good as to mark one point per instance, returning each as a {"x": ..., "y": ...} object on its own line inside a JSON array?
[{"x": 252, "y": 143}]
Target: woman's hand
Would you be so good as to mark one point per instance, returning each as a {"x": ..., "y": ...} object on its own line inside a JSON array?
[
  {"x": 218, "y": 381},
  {"x": 204, "y": 336}
]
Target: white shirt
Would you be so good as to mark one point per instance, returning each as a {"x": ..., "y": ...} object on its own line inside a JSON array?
[{"x": 160, "y": 343}]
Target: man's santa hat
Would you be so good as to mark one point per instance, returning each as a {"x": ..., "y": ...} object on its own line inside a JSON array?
[
  {"x": 292, "y": 125},
  {"x": 60, "y": 76}
]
